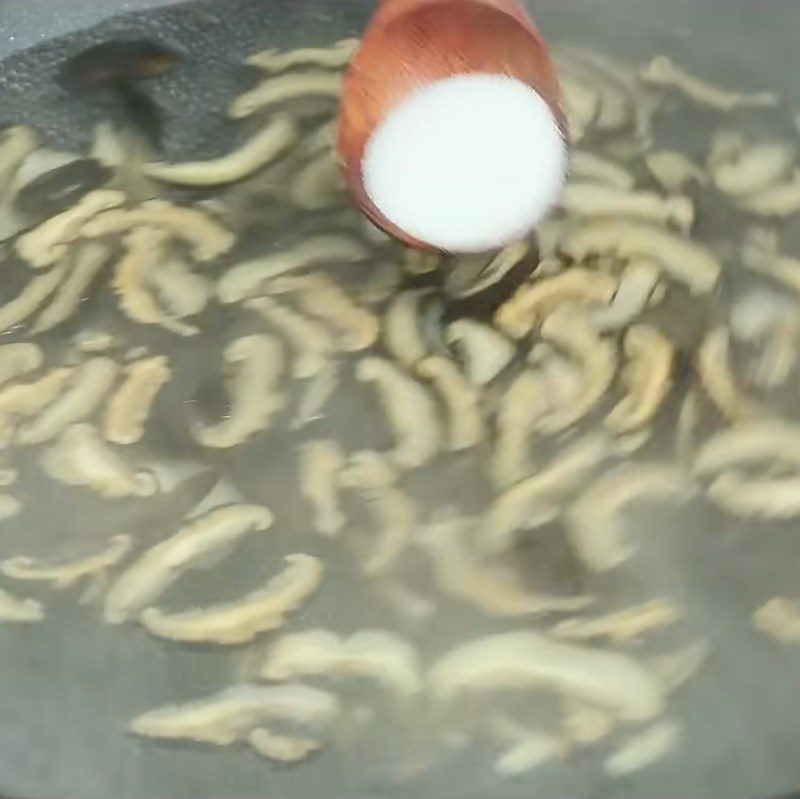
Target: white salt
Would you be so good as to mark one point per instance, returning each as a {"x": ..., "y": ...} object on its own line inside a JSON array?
[{"x": 468, "y": 163}]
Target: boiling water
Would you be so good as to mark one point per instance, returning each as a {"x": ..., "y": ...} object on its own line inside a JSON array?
[{"x": 70, "y": 685}]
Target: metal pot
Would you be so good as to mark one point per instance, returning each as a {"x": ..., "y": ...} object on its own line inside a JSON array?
[{"x": 67, "y": 691}]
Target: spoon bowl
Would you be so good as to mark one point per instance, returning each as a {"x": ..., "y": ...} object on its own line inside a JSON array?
[{"x": 411, "y": 44}]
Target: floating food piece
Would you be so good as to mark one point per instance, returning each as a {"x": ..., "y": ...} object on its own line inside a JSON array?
[
  {"x": 36, "y": 291},
  {"x": 182, "y": 292},
  {"x": 242, "y": 620},
  {"x": 16, "y": 144},
  {"x": 88, "y": 261},
  {"x": 593, "y": 200},
  {"x": 65, "y": 575},
  {"x": 462, "y": 399},
  {"x": 521, "y": 408},
  {"x": 88, "y": 387},
  {"x": 673, "y": 170},
  {"x": 647, "y": 376},
  {"x": 496, "y": 589},
  {"x": 590, "y": 166},
  {"x": 661, "y": 71},
  {"x": 754, "y": 169},
  {"x": 19, "y": 359},
  {"x": 319, "y": 296},
  {"x": 253, "y": 367},
  {"x": 614, "y": 109},
  {"x": 675, "y": 669},
  {"x": 81, "y": 458},
  {"x": 320, "y": 389},
  {"x": 623, "y": 625},
  {"x": 716, "y": 376},
  {"x": 231, "y": 714},
  {"x": 282, "y": 748},
  {"x": 509, "y": 267},
  {"x": 19, "y": 611},
  {"x": 779, "y": 200},
  {"x": 94, "y": 341},
  {"x": 119, "y": 61},
  {"x": 304, "y": 654},
  {"x": 529, "y": 748},
  {"x": 402, "y": 329},
  {"x": 321, "y": 463},
  {"x": 623, "y": 75},
  {"x": 779, "y": 619},
  {"x": 631, "y": 443},
  {"x": 597, "y": 358},
  {"x": 411, "y": 412},
  {"x": 313, "y": 345},
  {"x": 335, "y": 56},
  {"x": 373, "y": 477},
  {"x": 527, "y": 755},
  {"x": 132, "y": 353},
  {"x": 768, "y": 440},
  {"x": 416, "y": 262},
  {"x": 28, "y": 399},
  {"x": 256, "y": 153},
  {"x": 161, "y": 565},
  {"x": 519, "y": 315},
  {"x": 643, "y": 749},
  {"x": 518, "y": 660},
  {"x": 757, "y": 498},
  {"x": 375, "y": 654},
  {"x": 49, "y": 242},
  {"x": 513, "y": 509},
  {"x": 484, "y": 351},
  {"x": 636, "y": 288},
  {"x": 726, "y": 145},
  {"x": 754, "y": 315},
  {"x": 145, "y": 251},
  {"x": 585, "y": 724},
  {"x": 779, "y": 355},
  {"x": 286, "y": 87},
  {"x": 9, "y": 506},
  {"x": 684, "y": 260},
  {"x": 580, "y": 106},
  {"x": 595, "y": 528},
  {"x": 318, "y": 184},
  {"x": 247, "y": 279},
  {"x": 207, "y": 238},
  {"x": 562, "y": 377},
  {"x": 130, "y": 404}
]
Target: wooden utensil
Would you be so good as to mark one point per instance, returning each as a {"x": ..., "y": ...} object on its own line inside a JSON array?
[{"x": 412, "y": 43}]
